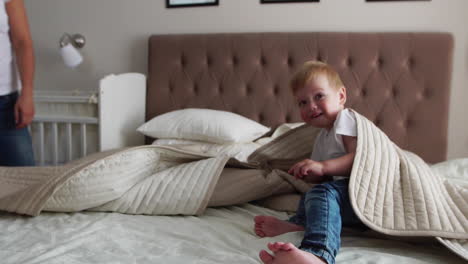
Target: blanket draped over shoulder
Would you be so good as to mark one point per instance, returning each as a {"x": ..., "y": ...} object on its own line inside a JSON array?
[{"x": 391, "y": 190}]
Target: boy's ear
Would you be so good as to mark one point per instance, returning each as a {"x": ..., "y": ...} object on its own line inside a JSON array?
[{"x": 342, "y": 94}]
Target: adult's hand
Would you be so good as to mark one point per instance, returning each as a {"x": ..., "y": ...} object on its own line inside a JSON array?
[{"x": 24, "y": 110}]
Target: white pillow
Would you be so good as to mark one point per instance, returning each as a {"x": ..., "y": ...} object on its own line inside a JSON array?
[{"x": 205, "y": 125}]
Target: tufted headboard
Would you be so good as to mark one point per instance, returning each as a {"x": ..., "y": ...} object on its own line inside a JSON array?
[{"x": 400, "y": 81}]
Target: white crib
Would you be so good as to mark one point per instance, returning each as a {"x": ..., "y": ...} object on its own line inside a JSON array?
[{"x": 73, "y": 124}]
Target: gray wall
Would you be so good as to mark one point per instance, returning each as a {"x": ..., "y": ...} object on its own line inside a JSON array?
[{"x": 117, "y": 32}]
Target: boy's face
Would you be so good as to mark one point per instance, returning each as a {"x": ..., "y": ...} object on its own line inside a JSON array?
[{"x": 320, "y": 103}]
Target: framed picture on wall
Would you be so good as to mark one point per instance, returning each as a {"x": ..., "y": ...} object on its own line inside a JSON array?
[
  {"x": 393, "y": 0},
  {"x": 190, "y": 3},
  {"x": 286, "y": 1}
]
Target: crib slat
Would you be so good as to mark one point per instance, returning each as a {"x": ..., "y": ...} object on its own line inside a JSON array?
[
  {"x": 55, "y": 142},
  {"x": 43, "y": 123},
  {"x": 41, "y": 143},
  {"x": 83, "y": 139},
  {"x": 69, "y": 142}
]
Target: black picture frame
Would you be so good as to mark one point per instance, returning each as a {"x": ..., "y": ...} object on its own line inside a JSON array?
[
  {"x": 397, "y": 0},
  {"x": 190, "y": 3},
  {"x": 287, "y": 1}
]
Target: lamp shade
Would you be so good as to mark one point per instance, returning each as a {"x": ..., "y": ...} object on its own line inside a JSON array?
[{"x": 71, "y": 56}]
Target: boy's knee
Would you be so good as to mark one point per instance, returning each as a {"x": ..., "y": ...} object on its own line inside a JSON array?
[{"x": 324, "y": 189}]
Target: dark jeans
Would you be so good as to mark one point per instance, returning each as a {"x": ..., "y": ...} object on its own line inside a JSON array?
[
  {"x": 323, "y": 210},
  {"x": 15, "y": 144}
]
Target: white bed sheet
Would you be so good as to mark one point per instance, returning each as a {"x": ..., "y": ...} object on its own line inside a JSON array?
[{"x": 223, "y": 235}]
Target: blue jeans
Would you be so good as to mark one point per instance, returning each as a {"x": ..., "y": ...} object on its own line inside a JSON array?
[
  {"x": 323, "y": 210},
  {"x": 15, "y": 144}
]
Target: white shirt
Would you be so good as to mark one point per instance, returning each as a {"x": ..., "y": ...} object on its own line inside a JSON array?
[
  {"x": 8, "y": 74},
  {"x": 329, "y": 144}
]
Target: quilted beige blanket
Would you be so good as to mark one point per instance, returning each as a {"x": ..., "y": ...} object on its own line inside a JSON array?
[
  {"x": 141, "y": 180},
  {"x": 392, "y": 191}
]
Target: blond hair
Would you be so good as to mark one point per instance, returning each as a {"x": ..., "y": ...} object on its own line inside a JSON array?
[{"x": 310, "y": 70}]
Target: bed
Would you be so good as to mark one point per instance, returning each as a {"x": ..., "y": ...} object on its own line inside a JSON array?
[{"x": 399, "y": 81}]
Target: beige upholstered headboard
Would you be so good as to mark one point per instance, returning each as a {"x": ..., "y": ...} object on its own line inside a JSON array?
[{"x": 400, "y": 81}]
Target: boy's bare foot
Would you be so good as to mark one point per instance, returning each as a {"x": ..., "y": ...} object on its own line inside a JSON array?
[
  {"x": 269, "y": 226},
  {"x": 287, "y": 253}
]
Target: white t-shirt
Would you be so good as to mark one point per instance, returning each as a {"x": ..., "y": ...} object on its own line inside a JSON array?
[
  {"x": 8, "y": 73},
  {"x": 329, "y": 144}
]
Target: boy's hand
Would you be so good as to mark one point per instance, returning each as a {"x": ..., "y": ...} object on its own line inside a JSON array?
[{"x": 307, "y": 167}]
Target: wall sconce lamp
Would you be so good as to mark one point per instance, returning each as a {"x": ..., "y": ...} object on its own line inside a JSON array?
[{"x": 69, "y": 45}]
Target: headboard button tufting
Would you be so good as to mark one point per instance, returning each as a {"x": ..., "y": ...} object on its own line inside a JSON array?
[
  {"x": 261, "y": 117},
  {"x": 276, "y": 90},
  {"x": 410, "y": 62},
  {"x": 364, "y": 92},
  {"x": 248, "y": 89},
  {"x": 380, "y": 62}
]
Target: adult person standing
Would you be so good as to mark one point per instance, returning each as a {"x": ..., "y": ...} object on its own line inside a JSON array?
[{"x": 16, "y": 85}]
